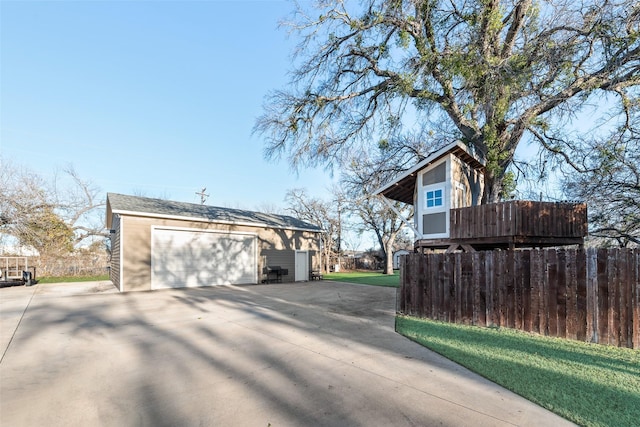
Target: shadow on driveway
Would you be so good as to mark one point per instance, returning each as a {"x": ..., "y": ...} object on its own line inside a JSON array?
[{"x": 318, "y": 353}]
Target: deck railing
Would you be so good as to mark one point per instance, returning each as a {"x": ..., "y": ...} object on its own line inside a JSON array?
[{"x": 520, "y": 218}]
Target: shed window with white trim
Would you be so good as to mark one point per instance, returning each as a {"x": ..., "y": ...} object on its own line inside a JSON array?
[{"x": 433, "y": 198}]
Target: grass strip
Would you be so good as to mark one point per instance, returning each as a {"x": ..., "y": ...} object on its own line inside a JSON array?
[
  {"x": 366, "y": 278},
  {"x": 588, "y": 384},
  {"x": 62, "y": 279}
]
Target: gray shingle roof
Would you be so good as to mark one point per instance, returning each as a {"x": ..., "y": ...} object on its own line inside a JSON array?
[{"x": 120, "y": 203}]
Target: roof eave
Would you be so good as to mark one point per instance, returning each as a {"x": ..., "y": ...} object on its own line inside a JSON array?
[
  {"x": 405, "y": 183},
  {"x": 210, "y": 220}
]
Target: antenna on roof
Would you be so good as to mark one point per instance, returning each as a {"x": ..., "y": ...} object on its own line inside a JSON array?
[{"x": 203, "y": 195}]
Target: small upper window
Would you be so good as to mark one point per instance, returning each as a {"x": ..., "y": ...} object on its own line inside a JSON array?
[{"x": 434, "y": 198}]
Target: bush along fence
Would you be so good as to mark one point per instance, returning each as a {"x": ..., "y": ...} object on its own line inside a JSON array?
[{"x": 589, "y": 295}]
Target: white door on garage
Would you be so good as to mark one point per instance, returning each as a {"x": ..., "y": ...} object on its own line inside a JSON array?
[
  {"x": 190, "y": 258},
  {"x": 302, "y": 266}
]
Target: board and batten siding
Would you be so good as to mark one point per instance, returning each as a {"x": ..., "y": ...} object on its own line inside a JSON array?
[
  {"x": 286, "y": 259},
  {"x": 281, "y": 258},
  {"x": 433, "y": 221},
  {"x": 460, "y": 186}
]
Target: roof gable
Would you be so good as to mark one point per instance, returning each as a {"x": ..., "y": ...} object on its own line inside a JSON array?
[
  {"x": 159, "y": 208},
  {"x": 402, "y": 187}
]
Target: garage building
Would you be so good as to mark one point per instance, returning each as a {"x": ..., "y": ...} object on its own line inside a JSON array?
[{"x": 158, "y": 244}]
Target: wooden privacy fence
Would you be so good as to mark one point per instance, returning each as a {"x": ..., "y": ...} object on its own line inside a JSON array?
[{"x": 582, "y": 294}]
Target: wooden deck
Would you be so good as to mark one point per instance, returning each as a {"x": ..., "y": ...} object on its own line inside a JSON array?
[{"x": 512, "y": 224}]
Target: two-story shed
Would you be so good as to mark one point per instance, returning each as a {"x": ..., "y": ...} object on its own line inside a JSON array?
[
  {"x": 165, "y": 244},
  {"x": 446, "y": 189},
  {"x": 449, "y": 178}
]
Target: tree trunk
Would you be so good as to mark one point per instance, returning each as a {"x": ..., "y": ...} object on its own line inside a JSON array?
[
  {"x": 492, "y": 192},
  {"x": 327, "y": 256},
  {"x": 389, "y": 258}
]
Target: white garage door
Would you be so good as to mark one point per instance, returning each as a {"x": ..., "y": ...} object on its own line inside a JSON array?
[{"x": 189, "y": 258}]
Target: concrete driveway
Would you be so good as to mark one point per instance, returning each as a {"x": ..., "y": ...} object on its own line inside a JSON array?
[{"x": 320, "y": 353}]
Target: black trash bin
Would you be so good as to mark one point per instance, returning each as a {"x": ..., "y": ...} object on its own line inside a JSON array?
[{"x": 26, "y": 278}]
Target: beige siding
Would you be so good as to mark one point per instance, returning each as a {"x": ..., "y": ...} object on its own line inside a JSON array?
[
  {"x": 283, "y": 258},
  {"x": 136, "y": 245}
]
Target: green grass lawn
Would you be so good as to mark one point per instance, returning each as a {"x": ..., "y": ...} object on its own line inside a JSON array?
[
  {"x": 588, "y": 384},
  {"x": 72, "y": 279},
  {"x": 366, "y": 278}
]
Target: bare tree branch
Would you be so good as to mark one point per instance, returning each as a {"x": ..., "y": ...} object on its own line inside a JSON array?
[{"x": 499, "y": 70}]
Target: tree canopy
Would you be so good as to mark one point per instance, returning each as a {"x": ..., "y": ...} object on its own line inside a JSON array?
[
  {"x": 609, "y": 181},
  {"x": 492, "y": 71},
  {"x": 328, "y": 215},
  {"x": 360, "y": 179}
]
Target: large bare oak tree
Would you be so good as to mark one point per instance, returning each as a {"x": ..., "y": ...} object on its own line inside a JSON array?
[{"x": 498, "y": 70}]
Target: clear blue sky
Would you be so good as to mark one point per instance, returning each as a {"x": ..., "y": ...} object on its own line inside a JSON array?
[{"x": 148, "y": 97}]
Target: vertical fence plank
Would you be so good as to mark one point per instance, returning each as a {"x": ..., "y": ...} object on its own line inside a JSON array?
[
  {"x": 632, "y": 302},
  {"x": 536, "y": 291},
  {"x": 479, "y": 289},
  {"x": 436, "y": 293},
  {"x": 411, "y": 303},
  {"x": 500, "y": 289},
  {"x": 489, "y": 280},
  {"x": 614, "y": 298},
  {"x": 426, "y": 295},
  {"x": 420, "y": 283},
  {"x": 468, "y": 286},
  {"x": 438, "y": 275},
  {"x": 406, "y": 290},
  {"x": 592, "y": 294},
  {"x": 518, "y": 289},
  {"x": 475, "y": 283},
  {"x": 571, "y": 313},
  {"x": 401, "y": 300},
  {"x": 552, "y": 293},
  {"x": 457, "y": 289},
  {"x": 444, "y": 288},
  {"x": 561, "y": 296},
  {"x": 426, "y": 298},
  {"x": 451, "y": 288},
  {"x": 603, "y": 297},
  {"x": 510, "y": 279},
  {"x": 636, "y": 299},
  {"x": 525, "y": 259},
  {"x": 580, "y": 283},
  {"x": 623, "y": 292}
]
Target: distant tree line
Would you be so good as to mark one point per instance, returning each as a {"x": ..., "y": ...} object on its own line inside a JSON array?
[{"x": 58, "y": 221}]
